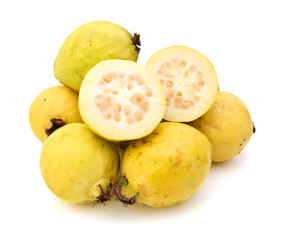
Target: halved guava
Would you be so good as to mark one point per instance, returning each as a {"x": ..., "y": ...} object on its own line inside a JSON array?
[
  {"x": 121, "y": 100},
  {"x": 189, "y": 80}
]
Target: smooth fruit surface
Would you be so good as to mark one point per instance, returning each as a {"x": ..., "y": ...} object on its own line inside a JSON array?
[
  {"x": 228, "y": 126},
  {"x": 168, "y": 166},
  {"x": 75, "y": 163},
  {"x": 189, "y": 80},
  {"x": 121, "y": 100},
  {"x": 88, "y": 45},
  {"x": 57, "y": 102}
]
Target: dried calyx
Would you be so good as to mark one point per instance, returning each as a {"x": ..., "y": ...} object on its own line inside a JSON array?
[
  {"x": 115, "y": 191},
  {"x": 104, "y": 196},
  {"x": 136, "y": 42},
  {"x": 56, "y": 123}
]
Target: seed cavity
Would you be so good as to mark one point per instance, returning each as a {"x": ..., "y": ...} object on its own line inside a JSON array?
[
  {"x": 130, "y": 119},
  {"x": 139, "y": 115},
  {"x": 169, "y": 84},
  {"x": 193, "y": 68},
  {"x": 148, "y": 93},
  {"x": 133, "y": 87},
  {"x": 139, "y": 80},
  {"x": 107, "y": 116},
  {"x": 176, "y": 74},
  {"x": 126, "y": 110},
  {"x": 136, "y": 98},
  {"x": 130, "y": 82},
  {"x": 107, "y": 78}
]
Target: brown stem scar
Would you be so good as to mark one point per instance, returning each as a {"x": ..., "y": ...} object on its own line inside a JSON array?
[
  {"x": 254, "y": 129},
  {"x": 116, "y": 192},
  {"x": 136, "y": 41},
  {"x": 56, "y": 124}
]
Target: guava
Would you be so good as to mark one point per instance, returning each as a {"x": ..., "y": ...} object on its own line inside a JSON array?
[
  {"x": 90, "y": 44},
  {"x": 77, "y": 165},
  {"x": 228, "y": 126},
  {"x": 121, "y": 100},
  {"x": 189, "y": 80},
  {"x": 53, "y": 108},
  {"x": 164, "y": 168}
]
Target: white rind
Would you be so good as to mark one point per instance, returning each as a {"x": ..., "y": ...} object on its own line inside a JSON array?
[{"x": 110, "y": 129}]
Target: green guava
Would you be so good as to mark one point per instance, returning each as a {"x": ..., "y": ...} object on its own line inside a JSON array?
[
  {"x": 77, "y": 165},
  {"x": 189, "y": 80},
  {"x": 53, "y": 108},
  {"x": 227, "y": 124},
  {"x": 90, "y": 44},
  {"x": 164, "y": 168},
  {"x": 121, "y": 100}
]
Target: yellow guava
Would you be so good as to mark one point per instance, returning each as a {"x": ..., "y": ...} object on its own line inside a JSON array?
[
  {"x": 166, "y": 167},
  {"x": 77, "y": 165},
  {"x": 228, "y": 126},
  {"x": 90, "y": 44},
  {"x": 53, "y": 108}
]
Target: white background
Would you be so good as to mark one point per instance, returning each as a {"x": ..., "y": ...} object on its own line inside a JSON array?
[{"x": 243, "y": 198}]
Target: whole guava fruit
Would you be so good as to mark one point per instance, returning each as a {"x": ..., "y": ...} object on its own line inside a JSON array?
[
  {"x": 189, "y": 81},
  {"x": 228, "y": 126},
  {"x": 51, "y": 109},
  {"x": 164, "y": 168},
  {"x": 121, "y": 100},
  {"x": 88, "y": 45},
  {"x": 77, "y": 165}
]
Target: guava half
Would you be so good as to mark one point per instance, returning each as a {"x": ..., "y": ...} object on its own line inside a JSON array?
[
  {"x": 189, "y": 80},
  {"x": 90, "y": 44},
  {"x": 121, "y": 100}
]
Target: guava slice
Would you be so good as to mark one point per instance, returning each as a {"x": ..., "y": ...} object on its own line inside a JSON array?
[
  {"x": 189, "y": 80},
  {"x": 121, "y": 100}
]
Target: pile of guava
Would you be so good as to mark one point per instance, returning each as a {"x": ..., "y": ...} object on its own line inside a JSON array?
[{"x": 116, "y": 129}]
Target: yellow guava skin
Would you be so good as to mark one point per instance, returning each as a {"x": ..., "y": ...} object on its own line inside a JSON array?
[
  {"x": 88, "y": 45},
  {"x": 228, "y": 126},
  {"x": 55, "y": 102},
  {"x": 168, "y": 166},
  {"x": 74, "y": 162}
]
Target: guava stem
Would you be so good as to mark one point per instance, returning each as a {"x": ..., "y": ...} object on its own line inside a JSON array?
[
  {"x": 136, "y": 41},
  {"x": 254, "y": 129},
  {"x": 103, "y": 196},
  {"x": 56, "y": 124},
  {"x": 116, "y": 192}
]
